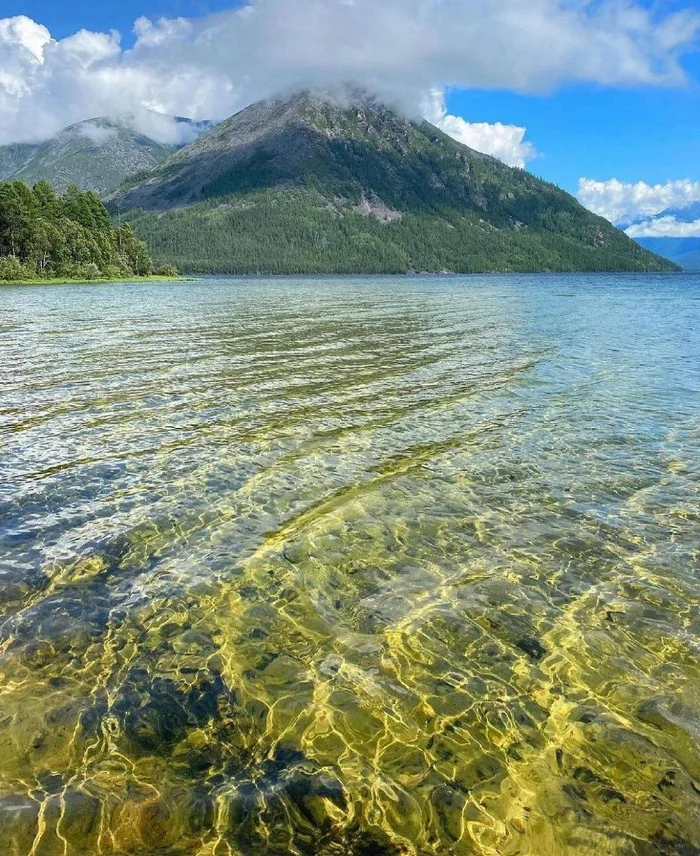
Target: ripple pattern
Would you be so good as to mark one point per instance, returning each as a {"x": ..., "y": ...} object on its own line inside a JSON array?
[{"x": 351, "y": 567}]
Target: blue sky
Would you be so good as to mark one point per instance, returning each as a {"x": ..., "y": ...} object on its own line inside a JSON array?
[
  {"x": 609, "y": 120},
  {"x": 64, "y": 17},
  {"x": 642, "y": 134}
]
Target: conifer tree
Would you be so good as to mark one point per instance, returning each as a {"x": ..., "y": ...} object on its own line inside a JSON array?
[{"x": 43, "y": 236}]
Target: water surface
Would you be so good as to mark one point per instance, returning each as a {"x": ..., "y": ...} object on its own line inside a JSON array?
[{"x": 351, "y": 567}]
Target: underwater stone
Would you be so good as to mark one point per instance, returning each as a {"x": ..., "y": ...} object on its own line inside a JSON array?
[
  {"x": 156, "y": 726},
  {"x": 19, "y": 820},
  {"x": 80, "y": 818},
  {"x": 531, "y": 647},
  {"x": 157, "y": 824},
  {"x": 302, "y": 805},
  {"x": 194, "y": 642},
  {"x": 294, "y": 554},
  {"x": 448, "y": 804},
  {"x": 666, "y": 844},
  {"x": 157, "y": 714},
  {"x": 196, "y": 808}
]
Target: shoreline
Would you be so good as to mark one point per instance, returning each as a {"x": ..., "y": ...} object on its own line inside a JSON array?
[
  {"x": 191, "y": 278},
  {"x": 98, "y": 281}
]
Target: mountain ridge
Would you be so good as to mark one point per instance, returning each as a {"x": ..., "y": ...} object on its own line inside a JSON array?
[
  {"x": 276, "y": 124},
  {"x": 96, "y": 154},
  {"x": 324, "y": 180}
]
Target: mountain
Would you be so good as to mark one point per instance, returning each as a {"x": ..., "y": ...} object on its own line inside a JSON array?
[
  {"x": 684, "y": 251},
  {"x": 13, "y": 158},
  {"x": 320, "y": 184},
  {"x": 687, "y": 214},
  {"x": 98, "y": 154}
]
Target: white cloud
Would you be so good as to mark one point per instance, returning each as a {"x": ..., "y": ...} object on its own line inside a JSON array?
[
  {"x": 151, "y": 34},
  {"x": 665, "y": 227},
  {"x": 209, "y": 67},
  {"x": 96, "y": 132},
  {"x": 26, "y": 35},
  {"x": 624, "y": 203},
  {"x": 505, "y": 142}
]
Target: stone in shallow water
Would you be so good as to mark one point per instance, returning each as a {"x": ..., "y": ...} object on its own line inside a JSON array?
[
  {"x": 19, "y": 822},
  {"x": 80, "y": 819},
  {"x": 448, "y": 804},
  {"x": 174, "y": 820},
  {"x": 15, "y": 588},
  {"x": 157, "y": 714},
  {"x": 664, "y": 843},
  {"x": 157, "y": 725},
  {"x": 531, "y": 647},
  {"x": 158, "y": 825},
  {"x": 71, "y": 818},
  {"x": 287, "y": 808}
]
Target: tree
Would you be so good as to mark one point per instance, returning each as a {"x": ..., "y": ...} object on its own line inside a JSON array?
[
  {"x": 43, "y": 235},
  {"x": 134, "y": 252}
]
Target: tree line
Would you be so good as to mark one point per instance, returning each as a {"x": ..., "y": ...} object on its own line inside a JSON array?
[
  {"x": 46, "y": 236},
  {"x": 301, "y": 231}
]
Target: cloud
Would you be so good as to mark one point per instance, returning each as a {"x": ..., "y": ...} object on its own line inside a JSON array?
[
  {"x": 624, "y": 203},
  {"x": 211, "y": 66},
  {"x": 150, "y": 34},
  {"x": 96, "y": 132},
  {"x": 505, "y": 142},
  {"x": 665, "y": 227}
]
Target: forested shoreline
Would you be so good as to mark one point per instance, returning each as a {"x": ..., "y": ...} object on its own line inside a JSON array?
[
  {"x": 304, "y": 231},
  {"x": 44, "y": 236}
]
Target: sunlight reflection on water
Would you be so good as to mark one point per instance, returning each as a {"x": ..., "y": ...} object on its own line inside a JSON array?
[{"x": 351, "y": 567}]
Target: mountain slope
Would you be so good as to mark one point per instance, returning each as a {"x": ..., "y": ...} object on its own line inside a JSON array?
[
  {"x": 685, "y": 252},
  {"x": 13, "y": 158},
  {"x": 98, "y": 155},
  {"x": 309, "y": 184},
  {"x": 689, "y": 260},
  {"x": 687, "y": 214}
]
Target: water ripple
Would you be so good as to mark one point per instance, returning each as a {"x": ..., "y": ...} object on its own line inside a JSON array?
[{"x": 351, "y": 567}]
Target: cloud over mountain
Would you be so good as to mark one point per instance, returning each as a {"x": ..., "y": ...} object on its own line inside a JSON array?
[
  {"x": 403, "y": 49},
  {"x": 667, "y": 226},
  {"x": 624, "y": 203},
  {"x": 506, "y": 142}
]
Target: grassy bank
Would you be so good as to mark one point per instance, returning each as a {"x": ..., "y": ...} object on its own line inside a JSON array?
[{"x": 98, "y": 281}]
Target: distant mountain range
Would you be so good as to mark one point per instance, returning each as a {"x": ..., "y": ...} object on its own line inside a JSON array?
[
  {"x": 684, "y": 251},
  {"x": 97, "y": 154},
  {"x": 315, "y": 183},
  {"x": 320, "y": 184}
]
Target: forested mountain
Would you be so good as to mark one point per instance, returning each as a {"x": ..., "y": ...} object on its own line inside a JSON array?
[
  {"x": 98, "y": 154},
  {"x": 309, "y": 184},
  {"x": 43, "y": 235}
]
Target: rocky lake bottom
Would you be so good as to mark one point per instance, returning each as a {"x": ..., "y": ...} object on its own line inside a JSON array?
[{"x": 351, "y": 567}]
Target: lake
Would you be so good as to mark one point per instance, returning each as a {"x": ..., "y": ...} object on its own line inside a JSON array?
[{"x": 351, "y": 567}]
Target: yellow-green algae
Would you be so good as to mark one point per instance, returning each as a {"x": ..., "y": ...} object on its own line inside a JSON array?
[{"x": 396, "y": 568}]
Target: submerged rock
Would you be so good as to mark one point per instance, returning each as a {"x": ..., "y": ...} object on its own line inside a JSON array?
[
  {"x": 19, "y": 823},
  {"x": 156, "y": 714}
]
